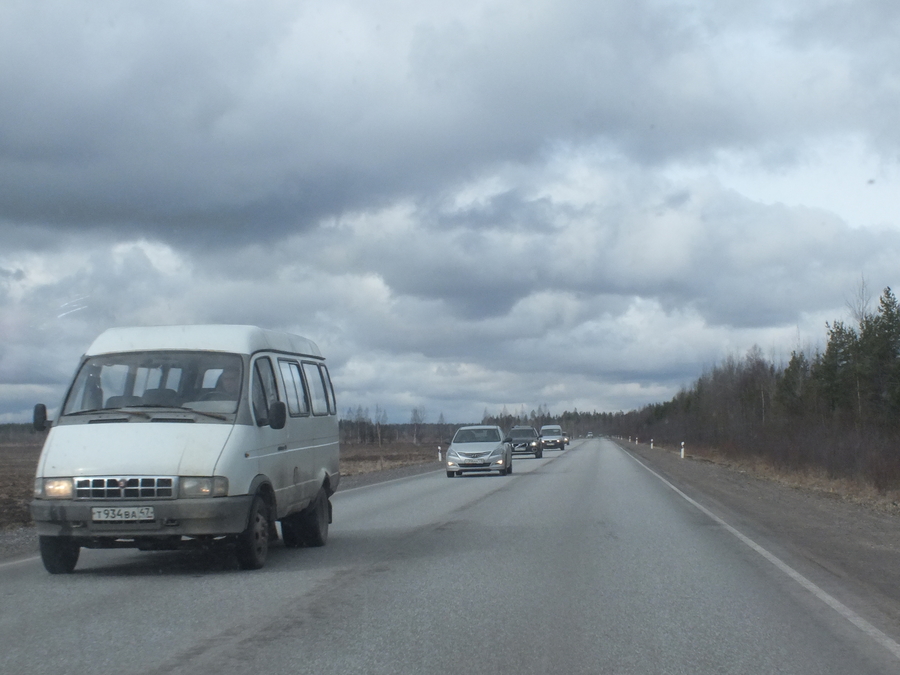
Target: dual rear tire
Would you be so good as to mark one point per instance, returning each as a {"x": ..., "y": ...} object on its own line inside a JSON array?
[{"x": 310, "y": 526}]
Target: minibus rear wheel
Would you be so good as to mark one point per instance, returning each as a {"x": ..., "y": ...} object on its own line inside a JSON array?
[
  {"x": 314, "y": 520},
  {"x": 292, "y": 531},
  {"x": 59, "y": 554}
]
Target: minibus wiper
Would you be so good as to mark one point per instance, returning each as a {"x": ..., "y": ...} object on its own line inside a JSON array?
[
  {"x": 208, "y": 414},
  {"x": 114, "y": 411},
  {"x": 138, "y": 413},
  {"x": 178, "y": 407}
]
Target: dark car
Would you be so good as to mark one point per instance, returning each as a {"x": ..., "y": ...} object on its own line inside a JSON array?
[{"x": 526, "y": 440}]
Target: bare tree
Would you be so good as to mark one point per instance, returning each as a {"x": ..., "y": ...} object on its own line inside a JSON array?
[
  {"x": 859, "y": 306},
  {"x": 381, "y": 419},
  {"x": 362, "y": 422},
  {"x": 417, "y": 417}
]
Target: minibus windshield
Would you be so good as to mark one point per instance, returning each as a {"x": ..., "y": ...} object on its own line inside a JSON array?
[{"x": 202, "y": 381}]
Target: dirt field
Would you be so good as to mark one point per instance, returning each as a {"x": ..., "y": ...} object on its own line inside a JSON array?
[
  {"x": 17, "y": 465},
  {"x": 18, "y": 461},
  {"x": 358, "y": 459}
]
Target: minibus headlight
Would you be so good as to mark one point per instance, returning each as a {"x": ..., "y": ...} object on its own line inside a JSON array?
[
  {"x": 53, "y": 488},
  {"x": 190, "y": 487}
]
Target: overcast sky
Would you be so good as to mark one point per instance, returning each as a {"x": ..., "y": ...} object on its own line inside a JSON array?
[{"x": 467, "y": 205}]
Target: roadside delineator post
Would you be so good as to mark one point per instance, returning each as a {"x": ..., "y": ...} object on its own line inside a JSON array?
[
  {"x": 439, "y": 454},
  {"x": 682, "y": 449},
  {"x": 651, "y": 443}
]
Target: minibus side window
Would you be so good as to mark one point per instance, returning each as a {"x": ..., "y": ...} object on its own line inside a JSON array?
[
  {"x": 114, "y": 379},
  {"x": 265, "y": 391},
  {"x": 92, "y": 393},
  {"x": 301, "y": 388},
  {"x": 156, "y": 377},
  {"x": 145, "y": 378},
  {"x": 294, "y": 387},
  {"x": 329, "y": 390},
  {"x": 210, "y": 377},
  {"x": 173, "y": 379},
  {"x": 316, "y": 388}
]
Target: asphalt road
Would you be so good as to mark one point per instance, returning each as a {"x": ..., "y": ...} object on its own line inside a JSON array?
[{"x": 581, "y": 562}]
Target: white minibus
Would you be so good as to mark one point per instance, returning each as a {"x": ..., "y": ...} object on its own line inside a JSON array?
[{"x": 177, "y": 436}]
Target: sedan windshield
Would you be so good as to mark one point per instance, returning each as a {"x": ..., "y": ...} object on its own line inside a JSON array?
[
  {"x": 202, "y": 381},
  {"x": 477, "y": 436}
]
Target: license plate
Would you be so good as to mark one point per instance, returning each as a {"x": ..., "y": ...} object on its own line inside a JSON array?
[{"x": 118, "y": 514}]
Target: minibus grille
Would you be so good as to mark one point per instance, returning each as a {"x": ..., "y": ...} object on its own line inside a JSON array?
[{"x": 127, "y": 487}]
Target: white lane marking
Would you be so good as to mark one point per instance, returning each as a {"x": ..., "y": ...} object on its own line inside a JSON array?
[
  {"x": 828, "y": 599},
  {"x": 10, "y": 563},
  {"x": 385, "y": 482}
]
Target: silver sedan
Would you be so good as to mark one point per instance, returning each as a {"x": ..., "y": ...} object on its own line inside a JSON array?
[{"x": 479, "y": 449}]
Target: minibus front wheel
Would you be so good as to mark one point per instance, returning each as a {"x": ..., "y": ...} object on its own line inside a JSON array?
[
  {"x": 59, "y": 554},
  {"x": 252, "y": 545}
]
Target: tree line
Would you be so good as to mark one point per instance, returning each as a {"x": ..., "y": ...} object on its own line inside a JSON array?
[
  {"x": 837, "y": 409},
  {"x": 359, "y": 426}
]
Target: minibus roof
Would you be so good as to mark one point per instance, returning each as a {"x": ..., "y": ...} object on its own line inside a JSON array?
[{"x": 217, "y": 338}]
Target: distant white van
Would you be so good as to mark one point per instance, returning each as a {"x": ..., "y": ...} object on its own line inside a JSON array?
[
  {"x": 173, "y": 436},
  {"x": 552, "y": 436}
]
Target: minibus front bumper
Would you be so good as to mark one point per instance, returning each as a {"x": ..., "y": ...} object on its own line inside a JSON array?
[{"x": 200, "y": 517}]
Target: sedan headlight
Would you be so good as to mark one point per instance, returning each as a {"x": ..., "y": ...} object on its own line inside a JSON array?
[
  {"x": 190, "y": 487},
  {"x": 53, "y": 488}
]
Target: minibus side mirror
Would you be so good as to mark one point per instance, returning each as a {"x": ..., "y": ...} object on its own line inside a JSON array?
[
  {"x": 277, "y": 415},
  {"x": 39, "y": 422}
]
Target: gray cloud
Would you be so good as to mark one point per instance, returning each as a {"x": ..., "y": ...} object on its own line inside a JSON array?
[
  {"x": 472, "y": 206},
  {"x": 237, "y": 117}
]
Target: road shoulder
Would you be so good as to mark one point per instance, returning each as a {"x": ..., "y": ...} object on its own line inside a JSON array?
[{"x": 836, "y": 542}]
